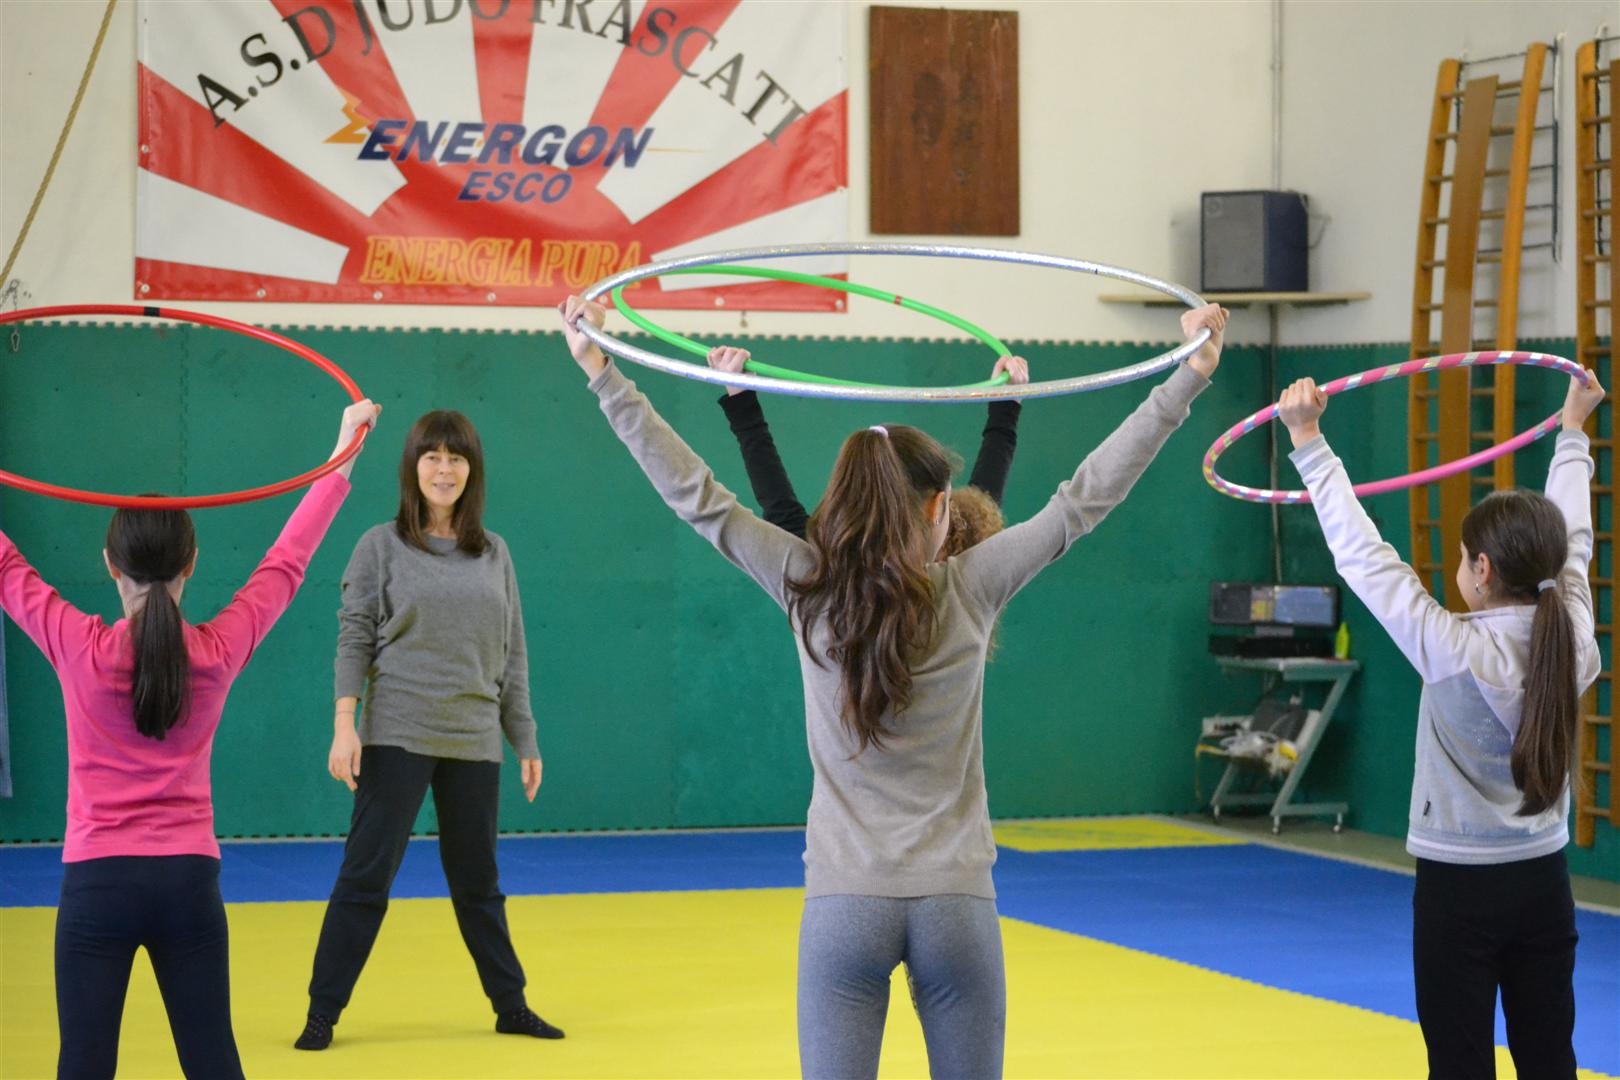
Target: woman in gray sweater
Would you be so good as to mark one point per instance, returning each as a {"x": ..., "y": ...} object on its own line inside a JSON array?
[
  {"x": 891, "y": 652},
  {"x": 431, "y": 630}
]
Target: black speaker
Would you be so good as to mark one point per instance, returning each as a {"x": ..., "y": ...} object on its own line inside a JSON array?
[{"x": 1253, "y": 241}]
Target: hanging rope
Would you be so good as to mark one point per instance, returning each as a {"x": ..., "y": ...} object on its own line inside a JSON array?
[{"x": 61, "y": 141}]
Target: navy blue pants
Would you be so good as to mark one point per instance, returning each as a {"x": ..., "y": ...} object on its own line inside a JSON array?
[
  {"x": 1480, "y": 929},
  {"x": 392, "y": 784},
  {"x": 171, "y": 905}
]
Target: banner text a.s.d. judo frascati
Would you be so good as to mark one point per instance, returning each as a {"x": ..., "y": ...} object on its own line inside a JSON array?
[{"x": 485, "y": 151}]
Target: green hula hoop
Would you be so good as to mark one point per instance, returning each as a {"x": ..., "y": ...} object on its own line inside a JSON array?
[{"x": 756, "y": 367}]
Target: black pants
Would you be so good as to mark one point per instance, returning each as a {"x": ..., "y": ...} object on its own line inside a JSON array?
[
  {"x": 1478, "y": 928},
  {"x": 171, "y": 905},
  {"x": 391, "y": 787}
]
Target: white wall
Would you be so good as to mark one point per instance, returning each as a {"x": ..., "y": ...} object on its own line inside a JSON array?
[
  {"x": 1358, "y": 82},
  {"x": 1128, "y": 111}
]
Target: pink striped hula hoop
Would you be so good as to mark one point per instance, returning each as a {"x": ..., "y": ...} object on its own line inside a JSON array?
[
  {"x": 189, "y": 502},
  {"x": 1395, "y": 371}
]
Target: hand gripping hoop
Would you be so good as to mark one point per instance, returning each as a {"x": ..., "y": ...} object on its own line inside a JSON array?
[
  {"x": 1048, "y": 388},
  {"x": 189, "y": 502},
  {"x": 1395, "y": 371}
]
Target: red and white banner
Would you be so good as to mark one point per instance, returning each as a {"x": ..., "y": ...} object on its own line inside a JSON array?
[{"x": 485, "y": 151}]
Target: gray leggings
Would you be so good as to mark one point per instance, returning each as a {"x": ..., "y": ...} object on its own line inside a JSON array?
[{"x": 951, "y": 946}]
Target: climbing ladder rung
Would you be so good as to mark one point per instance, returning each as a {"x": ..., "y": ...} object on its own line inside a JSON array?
[
  {"x": 1479, "y": 345},
  {"x": 1503, "y": 89},
  {"x": 1482, "y": 391},
  {"x": 1595, "y": 303},
  {"x": 1446, "y": 178},
  {"x": 1496, "y": 129},
  {"x": 1484, "y": 257},
  {"x": 1441, "y": 307},
  {"x": 1484, "y": 215}
]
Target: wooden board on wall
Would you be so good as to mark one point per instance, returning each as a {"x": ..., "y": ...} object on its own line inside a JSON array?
[{"x": 944, "y": 121}]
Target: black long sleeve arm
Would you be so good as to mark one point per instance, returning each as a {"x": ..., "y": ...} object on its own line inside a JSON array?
[
  {"x": 772, "y": 489},
  {"x": 996, "y": 449}
]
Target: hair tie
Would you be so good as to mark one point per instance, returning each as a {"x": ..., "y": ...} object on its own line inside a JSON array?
[
  {"x": 880, "y": 429},
  {"x": 1545, "y": 585}
]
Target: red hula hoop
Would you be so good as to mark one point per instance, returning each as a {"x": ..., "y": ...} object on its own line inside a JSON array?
[{"x": 190, "y": 502}]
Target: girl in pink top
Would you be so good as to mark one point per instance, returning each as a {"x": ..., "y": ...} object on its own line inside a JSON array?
[{"x": 142, "y": 699}]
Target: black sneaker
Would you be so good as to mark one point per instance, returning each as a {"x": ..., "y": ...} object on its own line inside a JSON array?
[
  {"x": 317, "y": 1033},
  {"x": 521, "y": 1021}
]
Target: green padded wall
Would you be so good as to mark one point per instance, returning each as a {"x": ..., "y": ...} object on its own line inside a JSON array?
[{"x": 665, "y": 684}]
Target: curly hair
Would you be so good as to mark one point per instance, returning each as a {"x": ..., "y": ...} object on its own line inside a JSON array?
[{"x": 975, "y": 518}]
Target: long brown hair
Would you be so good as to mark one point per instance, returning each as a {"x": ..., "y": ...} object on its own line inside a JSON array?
[
  {"x": 870, "y": 580},
  {"x": 1527, "y": 540},
  {"x": 152, "y": 548},
  {"x": 455, "y": 433}
]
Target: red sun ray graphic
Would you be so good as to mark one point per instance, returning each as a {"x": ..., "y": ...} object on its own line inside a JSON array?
[{"x": 258, "y": 199}]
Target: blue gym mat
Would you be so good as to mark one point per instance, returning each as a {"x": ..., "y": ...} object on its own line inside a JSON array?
[{"x": 1332, "y": 930}]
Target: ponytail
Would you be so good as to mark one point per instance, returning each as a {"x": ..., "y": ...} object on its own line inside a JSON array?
[
  {"x": 870, "y": 581},
  {"x": 152, "y": 548},
  {"x": 162, "y": 666},
  {"x": 1527, "y": 540},
  {"x": 1545, "y": 744}
]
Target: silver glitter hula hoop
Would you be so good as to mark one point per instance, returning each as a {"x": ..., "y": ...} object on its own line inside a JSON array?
[{"x": 1050, "y": 388}]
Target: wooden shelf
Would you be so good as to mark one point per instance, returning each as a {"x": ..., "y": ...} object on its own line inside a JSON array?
[{"x": 1240, "y": 299}]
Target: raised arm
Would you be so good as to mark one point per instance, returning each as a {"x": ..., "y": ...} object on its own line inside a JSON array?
[
  {"x": 773, "y": 491},
  {"x": 50, "y": 622},
  {"x": 1569, "y": 486},
  {"x": 1431, "y": 638},
  {"x": 998, "y": 567},
  {"x": 254, "y": 609},
  {"x": 687, "y": 486},
  {"x": 999, "y": 441}
]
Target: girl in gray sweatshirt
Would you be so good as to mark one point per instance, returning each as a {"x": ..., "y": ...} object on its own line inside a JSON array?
[{"x": 892, "y": 650}]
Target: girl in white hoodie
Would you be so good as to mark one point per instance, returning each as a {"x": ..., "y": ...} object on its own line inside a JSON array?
[{"x": 1496, "y": 727}]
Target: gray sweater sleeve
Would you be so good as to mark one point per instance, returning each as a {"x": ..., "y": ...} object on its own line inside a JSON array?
[
  {"x": 517, "y": 717},
  {"x": 997, "y": 568},
  {"x": 359, "y": 618},
  {"x": 761, "y": 550}
]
